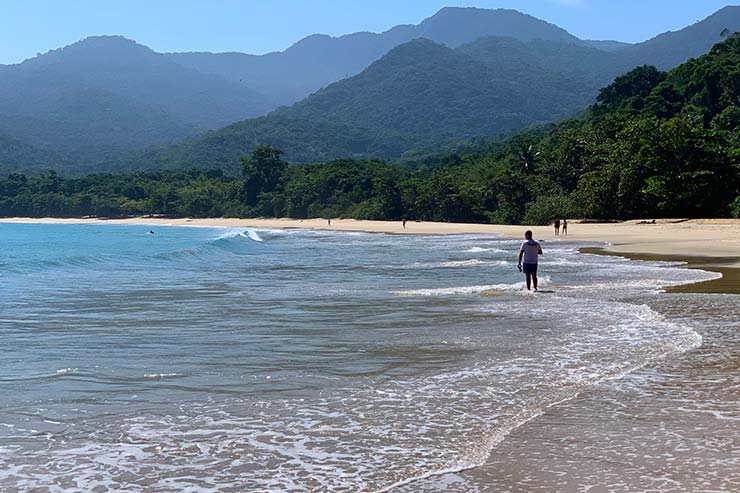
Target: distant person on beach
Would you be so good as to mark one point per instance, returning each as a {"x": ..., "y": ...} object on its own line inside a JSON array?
[
  {"x": 404, "y": 224},
  {"x": 565, "y": 227},
  {"x": 329, "y": 221},
  {"x": 528, "y": 257},
  {"x": 557, "y": 227}
]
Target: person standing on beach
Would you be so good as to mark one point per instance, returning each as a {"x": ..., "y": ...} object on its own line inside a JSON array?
[
  {"x": 565, "y": 227},
  {"x": 528, "y": 257},
  {"x": 557, "y": 227}
]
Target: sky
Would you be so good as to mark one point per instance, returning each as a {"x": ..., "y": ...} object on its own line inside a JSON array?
[{"x": 28, "y": 27}]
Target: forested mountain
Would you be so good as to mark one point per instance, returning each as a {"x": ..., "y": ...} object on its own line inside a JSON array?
[
  {"x": 655, "y": 144},
  {"x": 592, "y": 66},
  {"x": 310, "y": 64},
  {"x": 319, "y": 60},
  {"x": 420, "y": 95},
  {"x": 417, "y": 96},
  {"x": 425, "y": 89},
  {"x": 92, "y": 99},
  {"x": 670, "y": 49},
  {"x": 19, "y": 155},
  {"x": 95, "y": 104}
]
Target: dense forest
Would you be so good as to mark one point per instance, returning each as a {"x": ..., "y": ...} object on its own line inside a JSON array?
[
  {"x": 656, "y": 144},
  {"x": 421, "y": 95}
]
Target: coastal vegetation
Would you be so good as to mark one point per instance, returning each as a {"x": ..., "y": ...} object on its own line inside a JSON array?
[{"x": 655, "y": 144}]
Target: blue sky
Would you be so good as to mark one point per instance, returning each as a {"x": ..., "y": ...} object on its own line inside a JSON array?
[{"x": 28, "y": 27}]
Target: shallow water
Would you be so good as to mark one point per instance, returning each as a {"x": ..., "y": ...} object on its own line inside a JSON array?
[
  {"x": 671, "y": 426},
  {"x": 202, "y": 359}
]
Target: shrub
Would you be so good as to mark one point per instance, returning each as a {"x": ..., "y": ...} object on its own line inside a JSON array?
[{"x": 544, "y": 210}]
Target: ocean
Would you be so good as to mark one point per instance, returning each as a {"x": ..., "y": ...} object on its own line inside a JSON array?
[{"x": 237, "y": 360}]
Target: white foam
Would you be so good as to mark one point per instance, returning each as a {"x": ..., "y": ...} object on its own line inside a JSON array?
[
  {"x": 481, "y": 250},
  {"x": 517, "y": 286},
  {"x": 229, "y": 234},
  {"x": 159, "y": 376},
  {"x": 457, "y": 290},
  {"x": 252, "y": 234},
  {"x": 238, "y": 233}
]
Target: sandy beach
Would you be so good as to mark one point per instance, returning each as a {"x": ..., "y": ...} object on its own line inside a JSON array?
[
  {"x": 710, "y": 244},
  {"x": 715, "y": 239}
]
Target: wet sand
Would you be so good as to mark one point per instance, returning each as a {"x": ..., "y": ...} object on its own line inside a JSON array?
[
  {"x": 672, "y": 426},
  {"x": 729, "y": 283}
]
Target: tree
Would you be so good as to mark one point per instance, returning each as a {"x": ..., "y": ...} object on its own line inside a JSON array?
[
  {"x": 628, "y": 91},
  {"x": 261, "y": 171}
]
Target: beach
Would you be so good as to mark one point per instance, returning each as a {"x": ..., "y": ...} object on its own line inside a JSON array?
[
  {"x": 288, "y": 355},
  {"x": 717, "y": 239},
  {"x": 712, "y": 244}
]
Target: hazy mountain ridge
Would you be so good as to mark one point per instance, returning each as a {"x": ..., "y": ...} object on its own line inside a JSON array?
[
  {"x": 672, "y": 48},
  {"x": 421, "y": 94},
  {"x": 114, "y": 94},
  {"x": 656, "y": 144},
  {"x": 95, "y": 100},
  {"x": 18, "y": 155},
  {"x": 579, "y": 62},
  {"x": 322, "y": 59},
  {"x": 425, "y": 88}
]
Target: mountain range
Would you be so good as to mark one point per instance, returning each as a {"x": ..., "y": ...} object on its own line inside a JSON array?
[{"x": 464, "y": 72}]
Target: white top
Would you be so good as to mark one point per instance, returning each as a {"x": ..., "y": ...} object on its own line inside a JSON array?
[{"x": 531, "y": 251}]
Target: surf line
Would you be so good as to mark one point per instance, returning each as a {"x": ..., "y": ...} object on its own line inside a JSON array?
[{"x": 528, "y": 414}]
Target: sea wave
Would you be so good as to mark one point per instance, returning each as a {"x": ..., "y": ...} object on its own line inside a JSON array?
[
  {"x": 420, "y": 407},
  {"x": 237, "y": 242},
  {"x": 482, "y": 250},
  {"x": 248, "y": 233},
  {"x": 457, "y": 290},
  {"x": 392, "y": 433}
]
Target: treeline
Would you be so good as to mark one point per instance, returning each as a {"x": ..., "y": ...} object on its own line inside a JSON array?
[
  {"x": 654, "y": 145},
  {"x": 171, "y": 193}
]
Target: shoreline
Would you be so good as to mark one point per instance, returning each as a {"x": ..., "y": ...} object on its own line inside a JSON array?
[
  {"x": 710, "y": 244},
  {"x": 621, "y": 236},
  {"x": 729, "y": 283}
]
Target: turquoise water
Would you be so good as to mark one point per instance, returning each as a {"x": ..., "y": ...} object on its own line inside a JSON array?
[{"x": 205, "y": 359}]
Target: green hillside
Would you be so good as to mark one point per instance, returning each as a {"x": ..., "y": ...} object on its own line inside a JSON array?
[
  {"x": 420, "y": 95},
  {"x": 319, "y": 60},
  {"x": 107, "y": 103},
  {"x": 592, "y": 66},
  {"x": 655, "y": 144},
  {"x": 422, "y": 88},
  {"x": 102, "y": 96},
  {"x": 16, "y": 155},
  {"x": 672, "y": 48},
  {"x": 423, "y": 96}
]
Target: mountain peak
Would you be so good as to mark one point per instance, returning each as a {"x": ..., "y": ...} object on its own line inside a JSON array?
[
  {"x": 727, "y": 9},
  {"x": 93, "y": 49},
  {"x": 113, "y": 44},
  {"x": 455, "y": 26}
]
